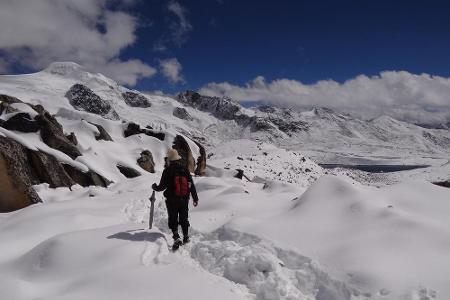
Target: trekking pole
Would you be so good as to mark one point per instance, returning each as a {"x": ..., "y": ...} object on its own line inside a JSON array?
[{"x": 152, "y": 208}]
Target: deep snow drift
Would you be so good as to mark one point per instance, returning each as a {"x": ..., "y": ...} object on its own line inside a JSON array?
[{"x": 291, "y": 232}]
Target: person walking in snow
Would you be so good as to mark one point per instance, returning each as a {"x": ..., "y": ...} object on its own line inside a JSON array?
[{"x": 177, "y": 184}]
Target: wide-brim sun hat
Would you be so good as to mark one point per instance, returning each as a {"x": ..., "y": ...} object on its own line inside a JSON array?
[{"x": 172, "y": 155}]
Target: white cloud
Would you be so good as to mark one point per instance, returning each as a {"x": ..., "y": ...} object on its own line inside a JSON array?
[
  {"x": 36, "y": 33},
  {"x": 415, "y": 98},
  {"x": 171, "y": 69}
]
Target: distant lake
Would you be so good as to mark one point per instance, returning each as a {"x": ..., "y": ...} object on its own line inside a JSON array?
[{"x": 375, "y": 168}]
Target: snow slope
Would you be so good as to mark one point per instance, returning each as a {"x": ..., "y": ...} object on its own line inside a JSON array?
[{"x": 289, "y": 233}]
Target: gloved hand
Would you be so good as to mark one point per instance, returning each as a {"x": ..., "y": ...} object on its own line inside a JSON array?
[
  {"x": 195, "y": 203},
  {"x": 154, "y": 186}
]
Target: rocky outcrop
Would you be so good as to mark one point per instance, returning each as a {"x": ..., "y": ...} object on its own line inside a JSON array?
[
  {"x": 135, "y": 100},
  {"x": 145, "y": 161},
  {"x": 128, "y": 172},
  {"x": 72, "y": 138},
  {"x": 86, "y": 178},
  {"x": 180, "y": 144},
  {"x": 16, "y": 177},
  {"x": 83, "y": 98},
  {"x": 222, "y": 108},
  {"x": 22, "y": 122},
  {"x": 53, "y": 135},
  {"x": 5, "y": 104},
  {"x": 49, "y": 170},
  {"x": 134, "y": 128},
  {"x": 181, "y": 113},
  {"x": 200, "y": 168},
  {"x": 102, "y": 133}
]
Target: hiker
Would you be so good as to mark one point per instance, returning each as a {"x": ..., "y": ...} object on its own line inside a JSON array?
[{"x": 177, "y": 184}]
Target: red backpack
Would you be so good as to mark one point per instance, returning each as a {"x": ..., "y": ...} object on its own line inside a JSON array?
[{"x": 181, "y": 184}]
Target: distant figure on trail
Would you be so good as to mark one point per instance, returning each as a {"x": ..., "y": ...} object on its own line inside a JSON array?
[{"x": 177, "y": 184}]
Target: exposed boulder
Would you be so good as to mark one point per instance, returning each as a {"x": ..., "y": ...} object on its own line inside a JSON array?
[
  {"x": 53, "y": 135},
  {"x": 16, "y": 177},
  {"x": 443, "y": 183},
  {"x": 72, "y": 138},
  {"x": 135, "y": 100},
  {"x": 181, "y": 113},
  {"x": 180, "y": 144},
  {"x": 145, "y": 161},
  {"x": 83, "y": 98},
  {"x": 134, "y": 128},
  {"x": 5, "y": 104},
  {"x": 200, "y": 168},
  {"x": 128, "y": 172},
  {"x": 86, "y": 178},
  {"x": 49, "y": 170},
  {"x": 103, "y": 134},
  {"x": 22, "y": 122}
]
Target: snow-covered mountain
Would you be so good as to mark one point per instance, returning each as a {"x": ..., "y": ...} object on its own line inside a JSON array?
[
  {"x": 287, "y": 230},
  {"x": 324, "y": 134}
]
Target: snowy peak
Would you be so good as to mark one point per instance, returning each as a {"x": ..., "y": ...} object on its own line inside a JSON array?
[{"x": 64, "y": 68}]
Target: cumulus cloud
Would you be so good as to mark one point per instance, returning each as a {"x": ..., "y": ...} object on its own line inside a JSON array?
[
  {"x": 415, "y": 98},
  {"x": 171, "y": 69},
  {"x": 179, "y": 27},
  {"x": 36, "y": 33}
]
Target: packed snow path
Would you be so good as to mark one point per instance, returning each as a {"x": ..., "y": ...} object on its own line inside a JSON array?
[{"x": 266, "y": 271}]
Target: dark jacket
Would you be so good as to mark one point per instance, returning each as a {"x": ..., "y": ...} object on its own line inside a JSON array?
[{"x": 168, "y": 178}]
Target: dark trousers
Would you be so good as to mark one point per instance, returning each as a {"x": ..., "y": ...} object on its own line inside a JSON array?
[{"x": 178, "y": 211}]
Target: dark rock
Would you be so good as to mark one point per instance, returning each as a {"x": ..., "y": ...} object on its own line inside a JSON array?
[
  {"x": 146, "y": 161},
  {"x": 223, "y": 108},
  {"x": 52, "y": 134},
  {"x": 307, "y": 170},
  {"x": 49, "y": 170},
  {"x": 239, "y": 158},
  {"x": 16, "y": 177},
  {"x": 22, "y": 122},
  {"x": 135, "y": 100},
  {"x": 200, "y": 168},
  {"x": 240, "y": 173},
  {"x": 103, "y": 134},
  {"x": 72, "y": 138},
  {"x": 181, "y": 113},
  {"x": 83, "y": 98},
  {"x": 128, "y": 172},
  {"x": 86, "y": 178},
  {"x": 181, "y": 145},
  {"x": 5, "y": 104},
  {"x": 134, "y": 128},
  {"x": 443, "y": 183}
]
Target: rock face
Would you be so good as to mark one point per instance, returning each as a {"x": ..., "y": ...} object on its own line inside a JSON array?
[
  {"x": 86, "y": 179},
  {"x": 53, "y": 135},
  {"x": 180, "y": 144},
  {"x": 83, "y": 98},
  {"x": 200, "y": 168},
  {"x": 135, "y": 100},
  {"x": 21, "y": 168},
  {"x": 16, "y": 177},
  {"x": 128, "y": 172},
  {"x": 5, "y": 104},
  {"x": 49, "y": 170},
  {"x": 103, "y": 134},
  {"x": 145, "y": 161},
  {"x": 22, "y": 122},
  {"x": 222, "y": 108},
  {"x": 72, "y": 138},
  {"x": 134, "y": 128},
  {"x": 181, "y": 113}
]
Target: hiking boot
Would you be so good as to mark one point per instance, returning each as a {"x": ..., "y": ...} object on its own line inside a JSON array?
[
  {"x": 186, "y": 239},
  {"x": 176, "y": 244}
]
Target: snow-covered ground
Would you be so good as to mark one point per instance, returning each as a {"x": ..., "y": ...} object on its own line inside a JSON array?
[{"x": 290, "y": 230}]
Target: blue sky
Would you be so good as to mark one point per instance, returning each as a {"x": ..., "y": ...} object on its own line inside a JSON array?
[
  {"x": 236, "y": 41},
  {"x": 364, "y": 57}
]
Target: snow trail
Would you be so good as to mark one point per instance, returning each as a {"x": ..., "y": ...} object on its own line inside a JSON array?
[{"x": 268, "y": 272}]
